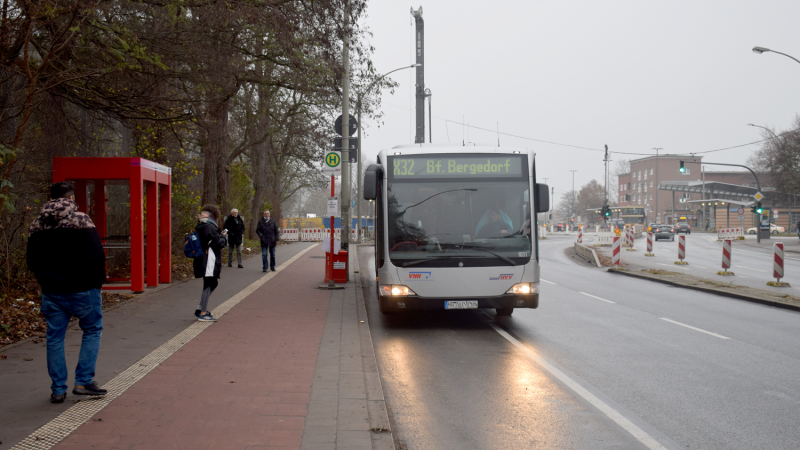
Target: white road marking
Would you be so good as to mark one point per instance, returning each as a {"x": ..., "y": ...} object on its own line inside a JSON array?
[
  {"x": 542, "y": 279},
  {"x": 750, "y": 268},
  {"x": 612, "y": 414},
  {"x": 594, "y": 296},
  {"x": 695, "y": 328}
]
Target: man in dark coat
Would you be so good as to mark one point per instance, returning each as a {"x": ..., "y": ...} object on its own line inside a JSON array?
[
  {"x": 235, "y": 226},
  {"x": 66, "y": 255},
  {"x": 209, "y": 266},
  {"x": 267, "y": 230}
]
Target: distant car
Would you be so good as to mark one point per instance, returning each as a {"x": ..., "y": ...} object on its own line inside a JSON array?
[
  {"x": 774, "y": 229},
  {"x": 683, "y": 227},
  {"x": 653, "y": 226},
  {"x": 664, "y": 232}
]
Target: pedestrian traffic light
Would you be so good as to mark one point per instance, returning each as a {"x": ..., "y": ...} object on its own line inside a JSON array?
[{"x": 682, "y": 169}]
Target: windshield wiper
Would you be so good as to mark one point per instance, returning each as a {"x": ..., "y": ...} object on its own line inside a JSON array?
[
  {"x": 420, "y": 261},
  {"x": 508, "y": 260}
]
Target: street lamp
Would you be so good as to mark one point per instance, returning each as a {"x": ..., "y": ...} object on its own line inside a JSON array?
[
  {"x": 761, "y": 50},
  {"x": 358, "y": 151}
]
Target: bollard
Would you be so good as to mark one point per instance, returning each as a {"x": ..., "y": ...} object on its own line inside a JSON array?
[
  {"x": 726, "y": 258},
  {"x": 777, "y": 266},
  {"x": 580, "y": 235},
  {"x": 631, "y": 238},
  {"x": 681, "y": 250},
  {"x": 649, "y": 245},
  {"x": 615, "y": 251}
]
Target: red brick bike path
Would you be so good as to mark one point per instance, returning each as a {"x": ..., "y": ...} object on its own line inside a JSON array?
[{"x": 243, "y": 383}]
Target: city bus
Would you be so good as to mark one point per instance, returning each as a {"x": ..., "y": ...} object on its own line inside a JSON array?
[{"x": 455, "y": 227}]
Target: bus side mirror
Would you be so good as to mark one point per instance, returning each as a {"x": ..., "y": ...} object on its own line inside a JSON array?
[
  {"x": 542, "y": 198},
  {"x": 371, "y": 181}
]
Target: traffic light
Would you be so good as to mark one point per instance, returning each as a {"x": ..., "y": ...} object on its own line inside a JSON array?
[
  {"x": 757, "y": 209},
  {"x": 682, "y": 169},
  {"x": 607, "y": 211}
]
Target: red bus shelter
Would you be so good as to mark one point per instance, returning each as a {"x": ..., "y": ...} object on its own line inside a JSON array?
[{"x": 143, "y": 177}]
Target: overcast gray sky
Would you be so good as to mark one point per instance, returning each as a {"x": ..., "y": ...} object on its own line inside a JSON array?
[{"x": 630, "y": 74}]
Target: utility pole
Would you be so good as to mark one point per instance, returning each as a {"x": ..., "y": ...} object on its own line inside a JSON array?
[
  {"x": 605, "y": 183},
  {"x": 420, "y": 104},
  {"x": 345, "y": 225},
  {"x": 574, "y": 197},
  {"x": 657, "y": 212}
]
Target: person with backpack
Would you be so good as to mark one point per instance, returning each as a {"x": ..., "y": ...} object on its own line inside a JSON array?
[{"x": 208, "y": 265}]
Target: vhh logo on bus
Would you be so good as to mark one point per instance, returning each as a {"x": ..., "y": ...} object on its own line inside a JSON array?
[
  {"x": 502, "y": 276},
  {"x": 419, "y": 275}
]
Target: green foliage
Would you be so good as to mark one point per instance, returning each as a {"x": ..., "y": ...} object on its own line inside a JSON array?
[{"x": 242, "y": 191}]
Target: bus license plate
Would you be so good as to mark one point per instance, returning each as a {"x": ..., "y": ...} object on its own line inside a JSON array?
[{"x": 461, "y": 304}]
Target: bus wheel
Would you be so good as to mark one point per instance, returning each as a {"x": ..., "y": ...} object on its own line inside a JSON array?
[{"x": 504, "y": 311}]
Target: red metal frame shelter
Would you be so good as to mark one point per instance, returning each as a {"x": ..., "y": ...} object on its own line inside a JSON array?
[{"x": 157, "y": 180}]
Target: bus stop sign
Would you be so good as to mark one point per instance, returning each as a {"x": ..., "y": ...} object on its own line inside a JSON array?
[{"x": 332, "y": 164}]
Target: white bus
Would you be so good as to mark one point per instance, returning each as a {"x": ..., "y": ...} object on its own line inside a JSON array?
[{"x": 454, "y": 227}]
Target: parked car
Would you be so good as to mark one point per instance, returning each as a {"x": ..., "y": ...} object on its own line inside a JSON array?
[
  {"x": 774, "y": 229},
  {"x": 664, "y": 232},
  {"x": 683, "y": 227}
]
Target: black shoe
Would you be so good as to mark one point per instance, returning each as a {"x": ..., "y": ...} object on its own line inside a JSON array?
[
  {"x": 58, "y": 398},
  {"x": 197, "y": 312},
  {"x": 89, "y": 389},
  {"x": 273, "y": 269},
  {"x": 241, "y": 266},
  {"x": 264, "y": 270},
  {"x": 230, "y": 264}
]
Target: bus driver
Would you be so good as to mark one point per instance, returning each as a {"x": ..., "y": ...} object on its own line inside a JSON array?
[{"x": 496, "y": 225}]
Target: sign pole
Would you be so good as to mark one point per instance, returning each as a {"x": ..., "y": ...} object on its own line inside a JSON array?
[{"x": 330, "y": 260}]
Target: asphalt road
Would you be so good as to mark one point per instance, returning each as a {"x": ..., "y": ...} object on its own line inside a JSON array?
[{"x": 604, "y": 362}]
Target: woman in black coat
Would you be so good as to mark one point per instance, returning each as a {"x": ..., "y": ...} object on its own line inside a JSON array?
[{"x": 209, "y": 266}]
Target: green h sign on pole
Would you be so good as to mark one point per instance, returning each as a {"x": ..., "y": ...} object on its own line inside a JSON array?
[{"x": 332, "y": 164}]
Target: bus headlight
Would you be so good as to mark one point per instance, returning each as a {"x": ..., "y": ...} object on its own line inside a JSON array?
[
  {"x": 396, "y": 290},
  {"x": 523, "y": 288}
]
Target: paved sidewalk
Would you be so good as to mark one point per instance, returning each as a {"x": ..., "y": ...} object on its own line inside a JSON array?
[{"x": 287, "y": 366}]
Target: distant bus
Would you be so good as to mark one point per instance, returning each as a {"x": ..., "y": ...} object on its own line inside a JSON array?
[{"x": 454, "y": 227}]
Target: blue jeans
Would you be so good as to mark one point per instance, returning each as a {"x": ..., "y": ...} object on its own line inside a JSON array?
[
  {"x": 264, "y": 262},
  {"x": 57, "y": 310}
]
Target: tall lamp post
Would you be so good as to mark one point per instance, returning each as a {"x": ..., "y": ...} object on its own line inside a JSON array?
[
  {"x": 657, "y": 149},
  {"x": 358, "y": 151},
  {"x": 761, "y": 50}
]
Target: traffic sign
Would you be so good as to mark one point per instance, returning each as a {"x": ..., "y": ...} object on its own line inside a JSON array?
[
  {"x": 332, "y": 164},
  {"x": 352, "y": 125},
  {"x": 775, "y": 212},
  {"x": 758, "y": 196},
  {"x": 740, "y": 211},
  {"x": 352, "y": 144}
]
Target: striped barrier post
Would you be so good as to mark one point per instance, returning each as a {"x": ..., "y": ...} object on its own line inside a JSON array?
[
  {"x": 777, "y": 266},
  {"x": 649, "y": 245},
  {"x": 681, "y": 250},
  {"x": 615, "y": 251},
  {"x": 726, "y": 257},
  {"x": 580, "y": 235},
  {"x": 631, "y": 239}
]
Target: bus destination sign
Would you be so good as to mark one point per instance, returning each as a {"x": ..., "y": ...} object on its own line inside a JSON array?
[{"x": 441, "y": 166}]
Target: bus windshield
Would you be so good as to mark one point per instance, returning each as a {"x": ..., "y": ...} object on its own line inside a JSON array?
[{"x": 459, "y": 222}]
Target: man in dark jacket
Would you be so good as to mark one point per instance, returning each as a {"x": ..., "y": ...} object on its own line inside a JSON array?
[
  {"x": 66, "y": 255},
  {"x": 235, "y": 226},
  {"x": 209, "y": 266},
  {"x": 267, "y": 230}
]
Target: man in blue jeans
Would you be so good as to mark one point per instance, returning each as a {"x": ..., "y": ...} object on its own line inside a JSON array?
[
  {"x": 267, "y": 231},
  {"x": 66, "y": 255}
]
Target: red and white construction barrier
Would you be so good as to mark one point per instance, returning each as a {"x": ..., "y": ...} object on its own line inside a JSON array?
[
  {"x": 727, "y": 250},
  {"x": 681, "y": 250},
  {"x": 777, "y": 262},
  {"x": 729, "y": 233},
  {"x": 649, "y": 245},
  {"x": 580, "y": 235},
  {"x": 615, "y": 251}
]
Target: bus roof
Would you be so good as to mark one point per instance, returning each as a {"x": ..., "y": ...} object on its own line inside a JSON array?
[{"x": 421, "y": 149}]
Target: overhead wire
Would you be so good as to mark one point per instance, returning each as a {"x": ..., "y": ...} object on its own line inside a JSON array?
[{"x": 597, "y": 149}]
